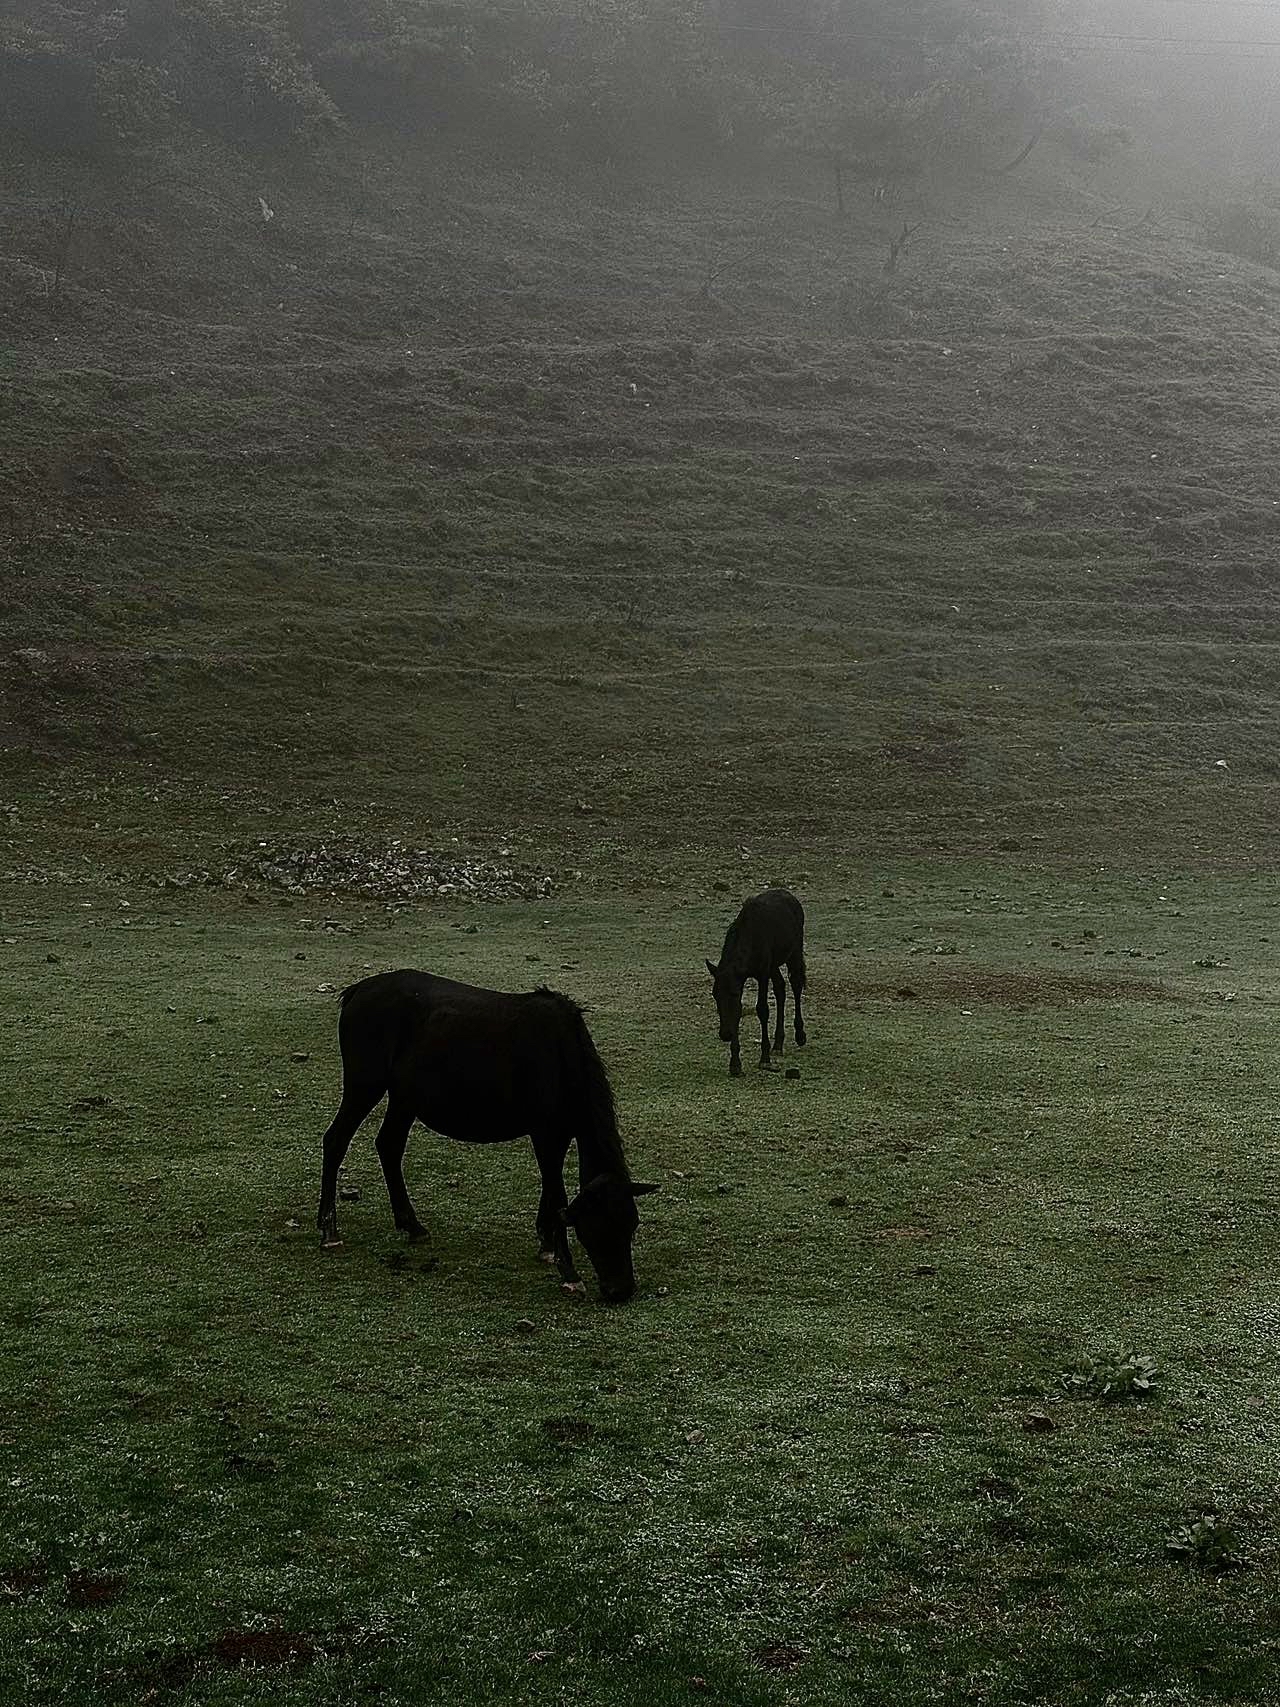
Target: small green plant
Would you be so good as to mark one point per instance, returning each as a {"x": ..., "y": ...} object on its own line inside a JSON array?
[
  {"x": 1209, "y": 1541},
  {"x": 1120, "y": 1375}
]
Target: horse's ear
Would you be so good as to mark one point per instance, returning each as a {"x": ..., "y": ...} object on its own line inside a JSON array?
[
  {"x": 643, "y": 1190},
  {"x": 712, "y": 968}
]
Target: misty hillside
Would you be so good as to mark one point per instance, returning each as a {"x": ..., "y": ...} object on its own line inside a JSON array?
[{"x": 623, "y": 489}]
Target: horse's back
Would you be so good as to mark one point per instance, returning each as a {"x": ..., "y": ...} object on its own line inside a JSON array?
[
  {"x": 476, "y": 1063},
  {"x": 774, "y": 920}
]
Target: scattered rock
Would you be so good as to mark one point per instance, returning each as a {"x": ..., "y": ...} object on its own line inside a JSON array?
[
  {"x": 300, "y": 1055},
  {"x": 387, "y": 871},
  {"x": 349, "y": 1193},
  {"x": 53, "y": 960},
  {"x": 792, "y": 1073},
  {"x": 838, "y": 1202},
  {"x": 525, "y": 1326},
  {"x": 1038, "y": 1422}
]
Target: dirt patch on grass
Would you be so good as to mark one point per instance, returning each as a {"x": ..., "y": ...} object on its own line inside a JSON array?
[
  {"x": 1002, "y": 987},
  {"x": 292, "y": 1648},
  {"x": 18, "y": 1582},
  {"x": 87, "y": 1588},
  {"x": 568, "y": 1431},
  {"x": 158, "y": 1673}
]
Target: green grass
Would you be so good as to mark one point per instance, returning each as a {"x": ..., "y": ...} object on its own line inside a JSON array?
[{"x": 796, "y": 1466}]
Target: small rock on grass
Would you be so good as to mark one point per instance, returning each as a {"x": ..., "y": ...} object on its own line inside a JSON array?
[
  {"x": 793, "y": 1072},
  {"x": 838, "y": 1202},
  {"x": 300, "y": 1055},
  {"x": 1038, "y": 1422},
  {"x": 525, "y": 1326}
]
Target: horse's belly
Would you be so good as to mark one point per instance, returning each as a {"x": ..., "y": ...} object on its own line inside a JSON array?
[{"x": 489, "y": 1123}]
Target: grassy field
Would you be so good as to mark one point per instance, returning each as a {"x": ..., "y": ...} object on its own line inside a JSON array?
[
  {"x": 504, "y": 574},
  {"x": 805, "y": 1464}
]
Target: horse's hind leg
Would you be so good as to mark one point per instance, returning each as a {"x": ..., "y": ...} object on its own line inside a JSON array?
[
  {"x": 796, "y": 973},
  {"x": 553, "y": 1236},
  {"x": 762, "y": 1014},
  {"x": 392, "y": 1140},
  {"x": 780, "y": 1002},
  {"x": 355, "y": 1105}
]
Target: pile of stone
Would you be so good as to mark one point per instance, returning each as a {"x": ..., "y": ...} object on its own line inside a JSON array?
[{"x": 392, "y": 871}]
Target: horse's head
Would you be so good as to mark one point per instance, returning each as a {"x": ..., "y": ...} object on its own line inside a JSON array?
[
  {"x": 603, "y": 1215},
  {"x": 726, "y": 991}
]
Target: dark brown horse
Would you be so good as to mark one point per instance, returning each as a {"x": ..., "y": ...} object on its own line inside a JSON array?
[
  {"x": 767, "y": 935},
  {"x": 483, "y": 1066}
]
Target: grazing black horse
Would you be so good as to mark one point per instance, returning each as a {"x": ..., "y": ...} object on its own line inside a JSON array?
[
  {"x": 767, "y": 935},
  {"x": 483, "y": 1066}
]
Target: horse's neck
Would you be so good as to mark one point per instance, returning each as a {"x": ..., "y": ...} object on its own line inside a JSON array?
[
  {"x": 735, "y": 956},
  {"x": 599, "y": 1153}
]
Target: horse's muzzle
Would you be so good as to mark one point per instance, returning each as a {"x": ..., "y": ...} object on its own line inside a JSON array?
[{"x": 619, "y": 1291}]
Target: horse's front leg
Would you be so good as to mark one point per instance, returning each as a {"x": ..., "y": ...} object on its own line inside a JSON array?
[
  {"x": 392, "y": 1141},
  {"x": 780, "y": 1002},
  {"x": 762, "y": 1014},
  {"x": 356, "y": 1103},
  {"x": 553, "y": 1235}
]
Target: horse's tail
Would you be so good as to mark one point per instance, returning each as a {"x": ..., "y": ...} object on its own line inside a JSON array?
[{"x": 597, "y": 1115}]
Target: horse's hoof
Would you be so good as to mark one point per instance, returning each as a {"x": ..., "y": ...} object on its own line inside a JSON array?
[
  {"x": 547, "y": 1257},
  {"x": 415, "y": 1235},
  {"x": 735, "y": 1069},
  {"x": 331, "y": 1242},
  {"x": 576, "y": 1287}
]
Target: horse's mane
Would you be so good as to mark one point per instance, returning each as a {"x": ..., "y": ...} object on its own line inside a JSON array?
[
  {"x": 599, "y": 1113},
  {"x": 730, "y": 958}
]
